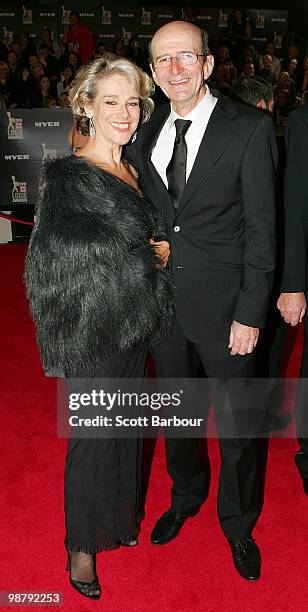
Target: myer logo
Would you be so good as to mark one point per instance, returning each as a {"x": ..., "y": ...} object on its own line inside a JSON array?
[
  {"x": 26, "y": 15},
  {"x": 106, "y": 16},
  {"x": 16, "y": 157},
  {"x": 47, "y": 14},
  {"x": 44, "y": 124},
  {"x": 14, "y": 128},
  {"x": 65, "y": 15},
  {"x": 48, "y": 153},
  {"x": 19, "y": 191}
]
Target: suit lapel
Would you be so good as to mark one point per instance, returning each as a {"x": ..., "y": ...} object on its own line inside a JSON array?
[
  {"x": 157, "y": 188},
  {"x": 219, "y": 132}
]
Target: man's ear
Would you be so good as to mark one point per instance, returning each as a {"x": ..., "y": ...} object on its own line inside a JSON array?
[{"x": 208, "y": 66}]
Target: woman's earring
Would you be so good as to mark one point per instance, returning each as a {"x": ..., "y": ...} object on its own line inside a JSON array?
[{"x": 92, "y": 129}]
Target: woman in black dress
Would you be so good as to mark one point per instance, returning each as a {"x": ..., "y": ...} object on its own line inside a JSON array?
[{"x": 100, "y": 294}]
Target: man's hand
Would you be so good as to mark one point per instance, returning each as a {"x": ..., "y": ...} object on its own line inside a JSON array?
[
  {"x": 292, "y": 307},
  {"x": 162, "y": 252},
  {"x": 243, "y": 338}
]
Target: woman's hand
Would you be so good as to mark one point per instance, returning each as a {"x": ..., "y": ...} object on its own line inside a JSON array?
[{"x": 162, "y": 252}]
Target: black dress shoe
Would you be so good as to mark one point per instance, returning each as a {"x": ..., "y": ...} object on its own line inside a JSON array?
[
  {"x": 169, "y": 525},
  {"x": 305, "y": 483},
  {"x": 246, "y": 558}
]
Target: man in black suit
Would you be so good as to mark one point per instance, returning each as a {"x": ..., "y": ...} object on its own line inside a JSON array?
[
  {"x": 292, "y": 301},
  {"x": 208, "y": 165}
]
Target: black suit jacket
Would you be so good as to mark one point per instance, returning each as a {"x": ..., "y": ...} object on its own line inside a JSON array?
[
  {"x": 223, "y": 233},
  {"x": 296, "y": 202}
]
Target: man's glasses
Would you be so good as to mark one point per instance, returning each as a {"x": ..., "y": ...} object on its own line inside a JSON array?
[{"x": 186, "y": 58}]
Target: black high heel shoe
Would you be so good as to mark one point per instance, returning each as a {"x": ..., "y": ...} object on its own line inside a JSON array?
[{"x": 92, "y": 589}]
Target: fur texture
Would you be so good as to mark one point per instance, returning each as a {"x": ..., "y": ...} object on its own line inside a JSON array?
[{"x": 90, "y": 275}]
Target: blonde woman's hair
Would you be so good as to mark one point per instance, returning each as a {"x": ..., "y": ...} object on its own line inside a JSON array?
[{"x": 84, "y": 88}]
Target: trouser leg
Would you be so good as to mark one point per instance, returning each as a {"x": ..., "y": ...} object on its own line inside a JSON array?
[{"x": 177, "y": 358}]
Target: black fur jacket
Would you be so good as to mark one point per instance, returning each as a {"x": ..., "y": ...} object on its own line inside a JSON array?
[{"x": 90, "y": 275}]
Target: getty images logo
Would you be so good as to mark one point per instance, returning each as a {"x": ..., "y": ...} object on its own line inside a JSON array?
[
  {"x": 14, "y": 127},
  {"x": 19, "y": 191}
]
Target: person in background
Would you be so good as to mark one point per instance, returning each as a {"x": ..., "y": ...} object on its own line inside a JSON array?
[
  {"x": 50, "y": 102},
  {"x": 221, "y": 78},
  {"x": 137, "y": 54},
  {"x": 15, "y": 46},
  {"x": 304, "y": 84},
  {"x": 296, "y": 73},
  {"x": 50, "y": 63},
  {"x": 237, "y": 35},
  {"x": 293, "y": 53},
  {"x": 81, "y": 36},
  {"x": 8, "y": 87},
  {"x": 285, "y": 82},
  {"x": 248, "y": 69},
  {"x": 119, "y": 47},
  {"x": 253, "y": 91},
  {"x": 267, "y": 71},
  {"x": 292, "y": 302},
  {"x": 4, "y": 46},
  {"x": 64, "y": 101},
  {"x": 69, "y": 48},
  {"x": 46, "y": 39},
  {"x": 26, "y": 46},
  {"x": 42, "y": 92},
  {"x": 74, "y": 62},
  {"x": 66, "y": 80},
  {"x": 13, "y": 65},
  {"x": 102, "y": 49},
  {"x": 276, "y": 63},
  {"x": 223, "y": 55}
]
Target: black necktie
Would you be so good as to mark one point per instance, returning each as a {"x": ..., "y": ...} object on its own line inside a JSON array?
[{"x": 176, "y": 169}]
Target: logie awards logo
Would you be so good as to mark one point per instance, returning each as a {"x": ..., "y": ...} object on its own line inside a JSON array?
[
  {"x": 26, "y": 15},
  {"x": 106, "y": 16},
  {"x": 145, "y": 17},
  {"x": 65, "y": 15},
  {"x": 14, "y": 127},
  {"x": 48, "y": 153},
  {"x": 260, "y": 20},
  {"x": 223, "y": 19},
  {"x": 19, "y": 191}
]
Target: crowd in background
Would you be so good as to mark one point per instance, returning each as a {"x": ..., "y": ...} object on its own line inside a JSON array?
[{"x": 39, "y": 76}]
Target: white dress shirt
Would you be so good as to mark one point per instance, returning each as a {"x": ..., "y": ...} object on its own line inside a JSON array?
[{"x": 163, "y": 149}]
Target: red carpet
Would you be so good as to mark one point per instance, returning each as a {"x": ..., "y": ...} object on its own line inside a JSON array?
[{"x": 195, "y": 571}]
